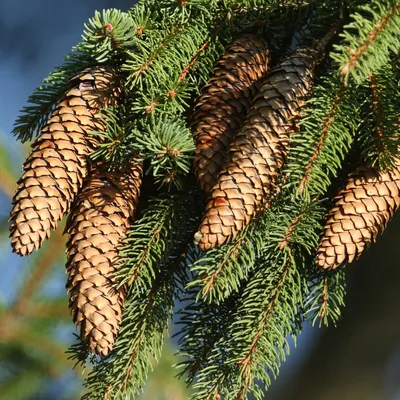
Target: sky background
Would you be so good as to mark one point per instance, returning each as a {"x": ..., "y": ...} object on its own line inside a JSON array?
[{"x": 35, "y": 35}]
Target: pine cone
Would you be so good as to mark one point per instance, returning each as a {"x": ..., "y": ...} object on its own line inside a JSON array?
[
  {"x": 224, "y": 102},
  {"x": 258, "y": 152},
  {"x": 57, "y": 164},
  {"x": 360, "y": 213},
  {"x": 99, "y": 219}
]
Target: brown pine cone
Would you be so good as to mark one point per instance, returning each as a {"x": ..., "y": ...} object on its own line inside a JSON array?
[
  {"x": 57, "y": 164},
  {"x": 99, "y": 219},
  {"x": 359, "y": 214},
  {"x": 258, "y": 152},
  {"x": 224, "y": 102}
]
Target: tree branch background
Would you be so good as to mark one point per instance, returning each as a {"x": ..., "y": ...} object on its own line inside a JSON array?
[{"x": 358, "y": 360}]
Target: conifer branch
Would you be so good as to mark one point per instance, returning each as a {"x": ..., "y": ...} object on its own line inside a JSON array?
[
  {"x": 219, "y": 272},
  {"x": 169, "y": 146},
  {"x": 139, "y": 69},
  {"x": 233, "y": 355},
  {"x": 368, "y": 40},
  {"x": 376, "y": 106},
  {"x": 326, "y": 298},
  {"x": 115, "y": 142},
  {"x": 326, "y": 125},
  {"x": 290, "y": 231},
  {"x": 356, "y": 54},
  {"x": 379, "y": 129},
  {"x": 246, "y": 362},
  {"x": 145, "y": 245},
  {"x": 108, "y": 35},
  {"x": 202, "y": 48},
  {"x": 193, "y": 61},
  {"x": 242, "y": 301},
  {"x": 211, "y": 279},
  {"x": 324, "y": 138}
]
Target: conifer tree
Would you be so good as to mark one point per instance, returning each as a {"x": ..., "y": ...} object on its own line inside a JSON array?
[{"x": 244, "y": 254}]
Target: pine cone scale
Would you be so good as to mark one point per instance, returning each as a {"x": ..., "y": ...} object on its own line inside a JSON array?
[
  {"x": 224, "y": 103},
  {"x": 258, "y": 152},
  {"x": 58, "y": 160},
  {"x": 360, "y": 213},
  {"x": 99, "y": 220}
]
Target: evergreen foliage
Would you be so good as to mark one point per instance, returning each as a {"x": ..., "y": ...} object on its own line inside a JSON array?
[
  {"x": 369, "y": 39},
  {"x": 380, "y": 115},
  {"x": 243, "y": 301},
  {"x": 324, "y": 138}
]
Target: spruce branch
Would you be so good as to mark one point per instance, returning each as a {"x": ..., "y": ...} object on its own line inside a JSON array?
[
  {"x": 231, "y": 359},
  {"x": 203, "y": 325},
  {"x": 149, "y": 305},
  {"x": 247, "y": 360},
  {"x": 41, "y": 103},
  {"x": 146, "y": 244},
  {"x": 321, "y": 141},
  {"x": 324, "y": 137},
  {"x": 115, "y": 142},
  {"x": 193, "y": 61},
  {"x": 368, "y": 40},
  {"x": 241, "y": 355},
  {"x": 144, "y": 21},
  {"x": 220, "y": 271},
  {"x": 172, "y": 69},
  {"x": 326, "y": 298},
  {"x": 169, "y": 146},
  {"x": 139, "y": 64},
  {"x": 378, "y": 133},
  {"x": 109, "y": 35}
]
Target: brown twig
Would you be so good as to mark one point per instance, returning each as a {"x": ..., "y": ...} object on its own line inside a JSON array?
[
  {"x": 147, "y": 63},
  {"x": 200, "y": 50},
  {"x": 289, "y": 231},
  {"x": 193, "y": 61},
  {"x": 327, "y": 123},
  {"x": 376, "y": 104},
  {"x": 135, "y": 272},
  {"x": 377, "y": 110},
  {"x": 211, "y": 279},
  {"x": 324, "y": 299},
  {"x": 356, "y": 54}
]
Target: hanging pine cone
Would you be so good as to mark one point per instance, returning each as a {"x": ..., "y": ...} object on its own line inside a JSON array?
[
  {"x": 257, "y": 153},
  {"x": 99, "y": 219},
  {"x": 57, "y": 164},
  {"x": 224, "y": 102},
  {"x": 359, "y": 214}
]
